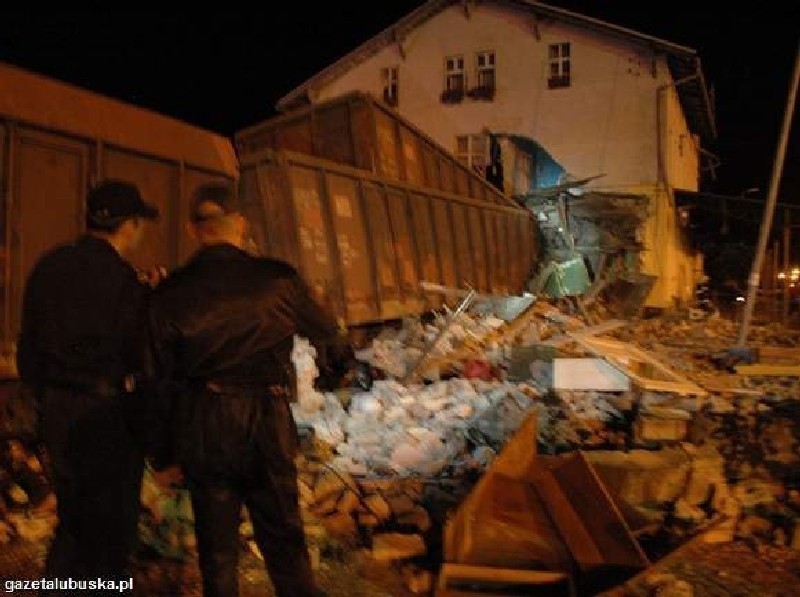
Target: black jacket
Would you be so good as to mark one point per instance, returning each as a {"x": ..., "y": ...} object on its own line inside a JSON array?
[
  {"x": 83, "y": 317},
  {"x": 230, "y": 318}
]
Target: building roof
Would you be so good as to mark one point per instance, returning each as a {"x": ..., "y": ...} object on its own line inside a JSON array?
[
  {"x": 683, "y": 62},
  {"x": 32, "y": 99}
]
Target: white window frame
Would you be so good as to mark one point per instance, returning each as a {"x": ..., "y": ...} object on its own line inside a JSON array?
[
  {"x": 489, "y": 66},
  {"x": 453, "y": 70},
  {"x": 390, "y": 83},
  {"x": 559, "y": 65}
]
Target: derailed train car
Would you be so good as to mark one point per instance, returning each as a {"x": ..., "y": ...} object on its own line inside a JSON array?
[
  {"x": 367, "y": 207},
  {"x": 56, "y": 140},
  {"x": 363, "y": 231}
]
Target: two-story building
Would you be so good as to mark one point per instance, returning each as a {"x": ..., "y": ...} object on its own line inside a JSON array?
[{"x": 567, "y": 96}]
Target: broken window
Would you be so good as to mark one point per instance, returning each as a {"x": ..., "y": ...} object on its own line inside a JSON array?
[
  {"x": 485, "y": 70},
  {"x": 559, "y": 55},
  {"x": 389, "y": 80},
  {"x": 454, "y": 79},
  {"x": 473, "y": 151}
]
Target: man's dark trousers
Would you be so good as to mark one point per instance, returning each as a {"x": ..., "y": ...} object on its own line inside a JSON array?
[
  {"x": 96, "y": 470},
  {"x": 254, "y": 467}
]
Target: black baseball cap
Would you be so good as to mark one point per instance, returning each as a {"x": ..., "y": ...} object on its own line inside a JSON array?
[
  {"x": 213, "y": 200},
  {"x": 114, "y": 200}
]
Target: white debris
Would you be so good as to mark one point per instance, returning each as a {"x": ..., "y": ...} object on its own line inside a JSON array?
[{"x": 303, "y": 356}]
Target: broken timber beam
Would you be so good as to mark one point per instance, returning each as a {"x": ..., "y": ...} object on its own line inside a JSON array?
[
  {"x": 486, "y": 576},
  {"x": 769, "y": 370}
]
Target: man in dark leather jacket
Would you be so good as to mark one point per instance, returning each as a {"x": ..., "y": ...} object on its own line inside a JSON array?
[
  {"x": 80, "y": 351},
  {"x": 222, "y": 331}
]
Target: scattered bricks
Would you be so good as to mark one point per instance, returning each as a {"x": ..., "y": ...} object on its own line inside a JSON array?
[
  {"x": 662, "y": 424},
  {"x": 707, "y": 471},
  {"x": 315, "y": 531},
  {"x": 688, "y": 512},
  {"x": 394, "y": 546},
  {"x": 752, "y": 492},
  {"x": 668, "y": 585},
  {"x": 754, "y": 527},
  {"x": 378, "y": 507},
  {"x": 724, "y": 532},
  {"x": 418, "y": 580},
  {"x": 400, "y": 504},
  {"x": 642, "y": 477},
  {"x": 6, "y": 533},
  {"x": 418, "y": 518},
  {"x": 340, "y": 525},
  {"x": 331, "y": 484},
  {"x": 305, "y": 494},
  {"x": 386, "y": 486},
  {"x": 313, "y": 556},
  {"x": 325, "y": 507},
  {"x": 348, "y": 503},
  {"x": 368, "y": 520}
]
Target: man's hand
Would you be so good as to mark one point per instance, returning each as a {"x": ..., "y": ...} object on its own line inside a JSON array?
[{"x": 169, "y": 479}]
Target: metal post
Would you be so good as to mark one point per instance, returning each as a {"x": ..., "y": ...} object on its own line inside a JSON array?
[
  {"x": 766, "y": 222},
  {"x": 775, "y": 309},
  {"x": 787, "y": 266}
]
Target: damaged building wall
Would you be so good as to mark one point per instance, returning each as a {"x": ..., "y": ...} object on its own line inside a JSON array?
[
  {"x": 618, "y": 116},
  {"x": 603, "y": 122}
]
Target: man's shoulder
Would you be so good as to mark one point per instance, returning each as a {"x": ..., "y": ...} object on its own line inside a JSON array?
[
  {"x": 56, "y": 257},
  {"x": 277, "y": 267}
]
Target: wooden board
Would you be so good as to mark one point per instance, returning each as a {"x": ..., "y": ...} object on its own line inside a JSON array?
[
  {"x": 587, "y": 516},
  {"x": 643, "y": 368},
  {"x": 769, "y": 370},
  {"x": 486, "y": 576}
]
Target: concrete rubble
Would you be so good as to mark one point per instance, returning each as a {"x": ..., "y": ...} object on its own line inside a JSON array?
[{"x": 384, "y": 468}]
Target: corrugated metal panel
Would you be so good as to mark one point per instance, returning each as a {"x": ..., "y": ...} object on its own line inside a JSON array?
[
  {"x": 49, "y": 179},
  {"x": 315, "y": 257},
  {"x": 404, "y": 246},
  {"x": 366, "y": 243},
  {"x": 466, "y": 269},
  {"x": 388, "y": 164},
  {"x": 383, "y": 249},
  {"x": 158, "y": 182},
  {"x": 360, "y": 299},
  {"x": 412, "y": 157},
  {"x": 422, "y": 220},
  {"x": 33, "y": 99},
  {"x": 444, "y": 240},
  {"x": 356, "y": 130},
  {"x": 478, "y": 243},
  {"x": 334, "y": 136}
]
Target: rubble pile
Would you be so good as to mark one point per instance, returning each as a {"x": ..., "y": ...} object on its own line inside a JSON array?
[
  {"x": 722, "y": 459},
  {"x": 383, "y": 468},
  {"x": 27, "y": 505}
]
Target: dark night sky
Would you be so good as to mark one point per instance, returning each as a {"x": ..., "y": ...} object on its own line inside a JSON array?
[{"x": 225, "y": 70}]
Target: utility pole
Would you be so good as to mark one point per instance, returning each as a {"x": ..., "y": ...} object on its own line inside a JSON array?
[
  {"x": 787, "y": 257},
  {"x": 769, "y": 209}
]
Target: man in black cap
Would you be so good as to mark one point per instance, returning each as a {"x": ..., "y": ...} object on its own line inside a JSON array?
[
  {"x": 223, "y": 329},
  {"x": 81, "y": 351}
]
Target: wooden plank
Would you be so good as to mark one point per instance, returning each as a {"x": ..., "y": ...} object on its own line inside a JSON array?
[
  {"x": 643, "y": 368},
  {"x": 469, "y": 573},
  {"x": 778, "y": 353},
  {"x": 769, "y": 370},
  {"x": 588, "y": 518},
  {"x": 595, "y": 330}
]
